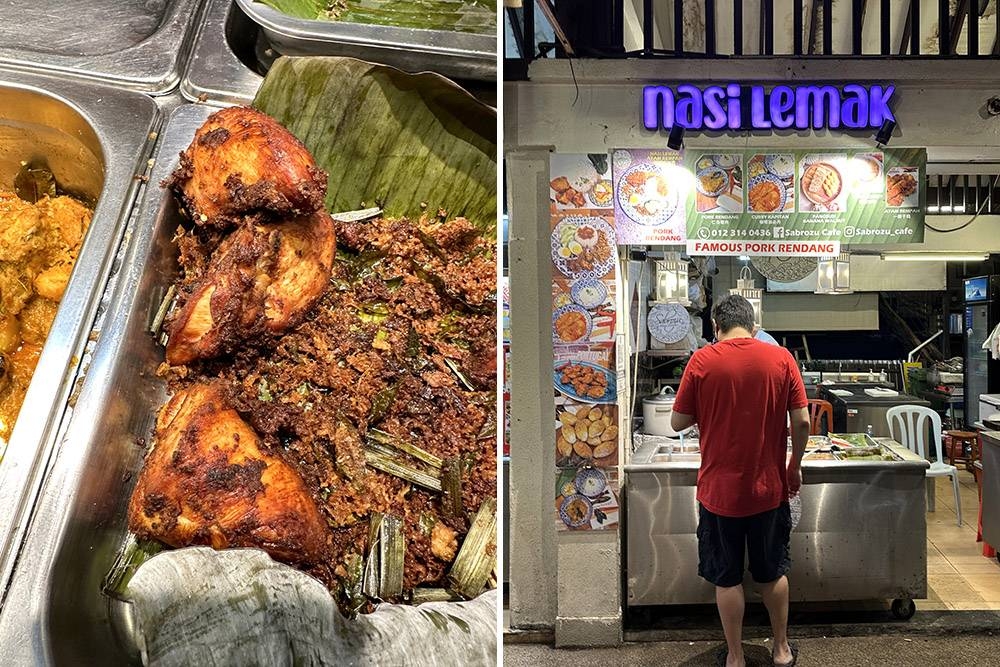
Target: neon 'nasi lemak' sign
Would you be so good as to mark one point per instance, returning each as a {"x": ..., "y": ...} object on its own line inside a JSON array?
[{"x": 735, "y": 107}]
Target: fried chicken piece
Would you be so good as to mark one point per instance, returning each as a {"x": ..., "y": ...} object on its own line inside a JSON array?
[
  {"x": 242, "y": 161},
  {"x": 208, "y": 482},
  {"x": 560, "y": 184},
  {"x": 65, "y": 218},
  {"x": 21, "y": 223},
  {"x": 262, "y": 279}
]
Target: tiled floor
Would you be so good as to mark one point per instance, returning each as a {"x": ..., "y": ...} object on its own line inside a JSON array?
[{"x": 958, "y": 575}]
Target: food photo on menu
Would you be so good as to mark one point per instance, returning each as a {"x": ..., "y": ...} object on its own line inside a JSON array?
[
  {"x": 582, "y": 310},
  {"x": 586, "y": 434},
  {"x": 865, "y": 172},
  {"x": 719, "y": 183},
  {"x": 651, "y": 190},
  {"x": 771, "y": 183},
  {"x": 580, "y": 181},
  {"x": 583, "y": 247},
  {"x": 822, "y": 182},
  {"x": 585, "y": 498},
  {"x": 646, "y": 194},
  {"x": 902, "y": 187}
]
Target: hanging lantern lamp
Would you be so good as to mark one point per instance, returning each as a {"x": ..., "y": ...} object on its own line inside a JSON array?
[
  {"x": 746, "y": 288},
  {"x": 672, "y": 280},
  {"x": 834, "y": 274}
]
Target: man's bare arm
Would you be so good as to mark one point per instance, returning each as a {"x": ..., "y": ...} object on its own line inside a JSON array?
[
  {"x": 799, "y": 418},
  {"x": 680, "y": 421}
]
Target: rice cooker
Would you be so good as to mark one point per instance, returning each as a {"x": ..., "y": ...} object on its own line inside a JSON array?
[{"x": 656, "y": 412}]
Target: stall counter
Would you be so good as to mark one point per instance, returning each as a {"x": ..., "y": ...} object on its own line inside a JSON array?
[
  {"x": 862, "y": 534},
  {"x": 991, "y": 488}
]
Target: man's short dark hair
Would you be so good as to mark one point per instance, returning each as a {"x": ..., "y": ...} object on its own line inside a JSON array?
[{"x": 733, "y": 311}]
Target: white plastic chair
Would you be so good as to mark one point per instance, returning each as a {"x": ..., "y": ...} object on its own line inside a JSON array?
[{"x": 911, "y": 421}]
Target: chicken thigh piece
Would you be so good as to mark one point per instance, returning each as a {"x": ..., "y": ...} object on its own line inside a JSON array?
[
  {"x": 263, "y": 278},
  {"x": 242, "y": 161},
  {"x": 208, "y": 482}
]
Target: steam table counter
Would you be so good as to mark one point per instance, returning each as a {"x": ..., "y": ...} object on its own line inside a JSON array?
[{"x": 862, "y": 534}]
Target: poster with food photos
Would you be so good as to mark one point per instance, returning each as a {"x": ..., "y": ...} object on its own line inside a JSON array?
[
  {"x": 651, "y": 190},
  {"x": 586, "y": 434},
  {"x": 506, "y": 399},
  {"x": 804, "y": 197},
  {"x": 586, "y": 498},
  {"x": 585, "y": 373},
  {"x": 584, "y": 254},
  {"x": 580, "y": 182},
  {"x": 582, "y": 245},
  {"x": 583, "y": 311}
]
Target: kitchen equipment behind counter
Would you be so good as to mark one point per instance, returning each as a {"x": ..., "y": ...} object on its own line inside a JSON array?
[{"x": 656, "y": 412}]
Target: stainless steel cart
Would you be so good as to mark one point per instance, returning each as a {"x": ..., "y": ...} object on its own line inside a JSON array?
[{"x": 862, "y": 535}]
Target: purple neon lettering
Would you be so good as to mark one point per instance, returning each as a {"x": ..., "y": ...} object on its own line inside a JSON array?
[
  {"x": 878, "y": 105},
  {"x": 803, "y": 107},
  {"x": 688, "y": 110},
  {"x": 715, "y": 112},
  {"x": 817, "y": 99},
  {"x": 655, "y": 98},
  {"x": 781, "y": 101},
  {"x": 758, "y": 109},
  {"x": 854, "y": 107},
  {"x": 735, "y": 107}
]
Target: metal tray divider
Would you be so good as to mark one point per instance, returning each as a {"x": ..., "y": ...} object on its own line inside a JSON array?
[
  {"x": 24, "y": 468},
  {"x": 108, "y": 412}
]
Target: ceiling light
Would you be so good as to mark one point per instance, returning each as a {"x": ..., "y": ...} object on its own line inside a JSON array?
[
  {"x": 675, "y": 140},
  {"x": 935, "y": 257}
]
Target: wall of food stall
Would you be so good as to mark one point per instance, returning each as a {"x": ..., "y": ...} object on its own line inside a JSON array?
[{"x": 571, "y": 581}]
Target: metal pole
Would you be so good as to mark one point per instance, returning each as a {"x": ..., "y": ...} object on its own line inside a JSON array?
[{"x": 647, "y": 27}]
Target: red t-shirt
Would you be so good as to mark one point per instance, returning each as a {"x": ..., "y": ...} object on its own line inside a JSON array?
[{"x": 739, "y": 391}]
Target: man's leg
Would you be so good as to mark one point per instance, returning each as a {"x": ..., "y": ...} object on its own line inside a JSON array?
[
  {"x": 776, "y": 600},
  {"x": 768, "y": 542},
  {"x": 721, "y": 548},
  {"x": 731, "y": 602}
]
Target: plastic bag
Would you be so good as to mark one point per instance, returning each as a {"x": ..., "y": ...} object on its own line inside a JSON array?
[
  {"x": 197, "y": 606},
  {"x": 795, "y": 507}
]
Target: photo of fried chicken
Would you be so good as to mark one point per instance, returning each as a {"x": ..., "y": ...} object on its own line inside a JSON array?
[
  {"x": 900, "y": 185},
  {"x": 566, "y": 194},
  {"x": 586, "y": 381}
]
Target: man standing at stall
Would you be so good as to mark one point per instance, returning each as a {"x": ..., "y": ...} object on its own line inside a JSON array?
[{"x": 741, "y": 392}]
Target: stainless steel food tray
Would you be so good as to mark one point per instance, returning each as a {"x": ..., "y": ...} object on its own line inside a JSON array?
[
  {"x": 453, "y": 54},
  {"x": 95, "y": 139},
  {"x": 54, "y": 611},
  {"x": 231, "y": 53},
  {"x": 136, "y": 44},
  {"x": 215, "y": 72}
]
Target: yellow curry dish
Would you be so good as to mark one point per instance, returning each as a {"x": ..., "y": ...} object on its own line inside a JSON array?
[{"x": 39, "y": 243}]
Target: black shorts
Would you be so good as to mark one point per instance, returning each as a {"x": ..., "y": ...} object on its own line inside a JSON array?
[{"x": 724, "y": 543}]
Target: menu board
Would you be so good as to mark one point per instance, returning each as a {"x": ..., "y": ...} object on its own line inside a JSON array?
[
  {"x": 769, "y": 201},
  {"x": 584, "y": 258},
  {"x": 806, "y": 198},
  {"x": 651, "y": 190}
]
